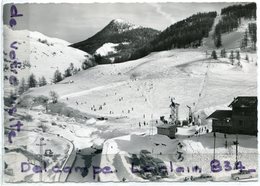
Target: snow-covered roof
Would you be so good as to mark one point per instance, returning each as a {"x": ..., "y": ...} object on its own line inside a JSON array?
[{"x": 220, "y": 114}]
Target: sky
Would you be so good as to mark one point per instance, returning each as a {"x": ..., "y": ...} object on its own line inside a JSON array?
[{"x": 77, "y": 22}]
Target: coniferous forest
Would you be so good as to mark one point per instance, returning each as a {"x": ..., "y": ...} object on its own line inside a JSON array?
[
  {"x": 183, "y": 34},
  {"x": 231, "y": 19}
]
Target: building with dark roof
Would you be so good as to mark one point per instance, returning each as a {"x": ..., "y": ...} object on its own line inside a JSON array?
[
  {"x": 221, "y": 121},
  {"x": 244, "y": 115},
  {"x": 167, "y": 129},
  {"x": 242, "y": 119}
]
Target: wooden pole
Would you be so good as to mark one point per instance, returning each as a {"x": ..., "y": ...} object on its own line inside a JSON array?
[
  {"x": 236, "y": 150},
  {"x": 214, "y": 145}
]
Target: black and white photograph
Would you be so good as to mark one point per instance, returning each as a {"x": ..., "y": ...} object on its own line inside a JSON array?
[{"x": 129, "y": 92}]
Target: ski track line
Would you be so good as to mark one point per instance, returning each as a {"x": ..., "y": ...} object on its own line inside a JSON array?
[{"x": 88, "y": 91}]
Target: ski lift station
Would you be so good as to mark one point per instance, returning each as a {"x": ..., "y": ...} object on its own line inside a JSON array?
[
  {"x": 169, "y": 128},
  {"x": 180, "y": 115}
]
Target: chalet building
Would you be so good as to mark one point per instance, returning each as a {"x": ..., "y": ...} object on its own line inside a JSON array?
[
  {"x": 242, "y": 119},
  {"x": 244, "y": 115},
  {"x": 221, "y": 121}
]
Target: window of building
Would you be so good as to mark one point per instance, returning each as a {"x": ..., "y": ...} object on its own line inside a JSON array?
[{"x": 241, "y": 123}]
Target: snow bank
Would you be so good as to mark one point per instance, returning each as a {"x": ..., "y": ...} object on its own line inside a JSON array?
[{"x": 91, "y": 121}]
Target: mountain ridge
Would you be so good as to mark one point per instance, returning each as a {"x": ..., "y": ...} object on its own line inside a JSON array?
[{"x": 118, "y": 32}]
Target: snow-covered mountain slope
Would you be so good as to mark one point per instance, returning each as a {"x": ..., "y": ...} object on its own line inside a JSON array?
[
  {"x": 40, "y": 55},
  {"x": 231, "y": 40},
  {"x": 139, "y": 91},
  {"x": 147, "y": 84}
]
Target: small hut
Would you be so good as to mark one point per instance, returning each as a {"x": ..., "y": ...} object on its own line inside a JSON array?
[{"x": 167, "y": 130}]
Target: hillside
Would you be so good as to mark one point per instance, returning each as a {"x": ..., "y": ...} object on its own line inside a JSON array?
[
  {"x": 140, "y": 91},
  {"x": 123, "y": 36},
  {"x": 40, "y": 55},
  {"x": 187, "y": 33},
  {"x": 155, "y": 78},
  {"x": 229, "y": 40},
  {"x": 237, "y": 23}
]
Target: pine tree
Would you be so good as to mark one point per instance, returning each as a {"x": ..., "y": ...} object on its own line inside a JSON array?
[
  {"x": 218, "y": 42},
  {"x": 57, "y": 77},
  {"x": 245, "y": 40},
  {"x": 223, "y": 53},
  {"x": 70, "y": 70},
  {"x": 39, "y": 82},
  {"x": 32, "y": 81},
  {"x": 71, "y": 66},
  {"x": 231, "y": 57},
  {"x": 214, "y": 55},
  {"x": 67, "y": 73},
  {"x": 42, "y": 81},
  {"x": 247, "y": 58},
  {"x": 23, "y": 87},
  {"x": 237, "y": 55},
  {"x": 252, "y": 33}
]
